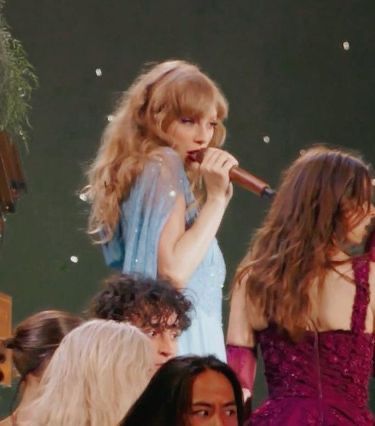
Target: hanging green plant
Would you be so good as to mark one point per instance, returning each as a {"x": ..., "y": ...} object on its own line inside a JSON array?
[{"x": 17, "y": 81}]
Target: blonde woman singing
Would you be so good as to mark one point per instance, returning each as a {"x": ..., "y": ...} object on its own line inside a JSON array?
[{"x": 156, "y": 212}]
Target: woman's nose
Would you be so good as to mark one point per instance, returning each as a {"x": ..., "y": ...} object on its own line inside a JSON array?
[{"x": 203, "y": 135}]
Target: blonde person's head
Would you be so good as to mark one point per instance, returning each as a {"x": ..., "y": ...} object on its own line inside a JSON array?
[
  {"x": 95, "y": 375},
  {"x": 164, "y": 93}
]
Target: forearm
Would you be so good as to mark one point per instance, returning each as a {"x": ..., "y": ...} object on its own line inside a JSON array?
[{"x": 179, "y": 261}]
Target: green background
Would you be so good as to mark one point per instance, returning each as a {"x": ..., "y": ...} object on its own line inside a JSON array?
[{"x": 281, "y": 64}]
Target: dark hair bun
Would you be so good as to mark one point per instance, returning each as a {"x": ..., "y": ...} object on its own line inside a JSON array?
[{"x": 9, "y": 343}]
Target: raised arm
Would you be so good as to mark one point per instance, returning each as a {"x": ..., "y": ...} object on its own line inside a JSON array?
[{"x": 180, "y": 251}]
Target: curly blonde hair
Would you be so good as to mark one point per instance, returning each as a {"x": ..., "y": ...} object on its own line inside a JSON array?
[
  {"x": 308, "y": 219},
  {"x": 166, "y": 92}
]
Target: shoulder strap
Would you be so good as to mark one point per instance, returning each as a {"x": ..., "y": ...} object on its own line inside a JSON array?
[{"x": 361, "y": 269}]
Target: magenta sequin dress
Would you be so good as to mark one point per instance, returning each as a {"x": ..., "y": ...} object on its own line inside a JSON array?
[{"x": 323, "y": 379}]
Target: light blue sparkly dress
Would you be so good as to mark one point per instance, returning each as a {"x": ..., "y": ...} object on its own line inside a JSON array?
[{"x": 134, "y": 248}]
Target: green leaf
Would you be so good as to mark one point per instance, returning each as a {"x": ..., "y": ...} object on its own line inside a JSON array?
[{"x": 17, "y": 82}]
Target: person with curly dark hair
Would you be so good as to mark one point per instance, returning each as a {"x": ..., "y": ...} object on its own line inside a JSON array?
[{"x": 155, "y": 306}]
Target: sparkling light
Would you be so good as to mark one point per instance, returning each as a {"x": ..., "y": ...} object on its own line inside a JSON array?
[
  {"x": 346, "y": 45},
  {"x": 98, "y": 72},
  {"x": 74, "y": 259},
  {"x": 266, "y": 139}
]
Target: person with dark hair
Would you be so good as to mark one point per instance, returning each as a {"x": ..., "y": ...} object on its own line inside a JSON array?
[
  {"x": 155, "y": 306},
  {"x": 306, "y": 299},
  {"x": 189, "y": 391},
  {"x": 33, "y": 343}
]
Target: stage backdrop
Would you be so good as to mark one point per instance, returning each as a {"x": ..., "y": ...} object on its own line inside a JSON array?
[{"x": 294, "y": 72}]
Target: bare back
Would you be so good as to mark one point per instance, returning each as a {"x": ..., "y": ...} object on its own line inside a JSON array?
[
  {"x": 334, "y": 304},
  {"x": 333, "y": 307}
]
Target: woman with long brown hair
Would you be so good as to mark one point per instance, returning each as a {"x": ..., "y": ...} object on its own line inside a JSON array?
[
  {"x": 33, "y": 343},
  {"x": 157, "y": 213},
  {"x": 303, "y": 296}
]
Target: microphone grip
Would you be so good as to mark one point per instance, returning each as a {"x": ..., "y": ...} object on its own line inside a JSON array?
[
  {"x": 250, "y": 182},
  {"x": 240, "y": 176}
]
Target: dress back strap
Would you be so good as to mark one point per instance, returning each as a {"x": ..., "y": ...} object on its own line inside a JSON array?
[{"x": 361, "y": 269}]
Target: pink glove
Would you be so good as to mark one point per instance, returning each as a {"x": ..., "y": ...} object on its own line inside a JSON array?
[{"x": 243, "y": 361}]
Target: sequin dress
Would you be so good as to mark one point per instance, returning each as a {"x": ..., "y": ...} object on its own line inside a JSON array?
[
  {"x": 323, "y": 379},
  {"x": 134, "y": 248}
]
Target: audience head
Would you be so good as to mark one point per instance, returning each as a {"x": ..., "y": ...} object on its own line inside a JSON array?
[
  {"x": 155, "y": 306},
  {"x": 95, "y": 375},
  {"x": 190, "y": 391},
  {"x": 36, "y": 338}
]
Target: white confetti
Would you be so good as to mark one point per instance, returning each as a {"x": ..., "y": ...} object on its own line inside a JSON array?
[
  {"x": 346, "y": 45},
  {"x": 110, "y": 117},
  {"x": 83, "y": 197},
  {"x": 266, "y": 139},
  {"x": 98, "y": 72},
  {"x": 74, "y": 259}
]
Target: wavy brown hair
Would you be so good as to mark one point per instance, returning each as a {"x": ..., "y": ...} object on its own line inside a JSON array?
[
  {"x": 166, "y": 92},
  {"x": 36, "y": 338},
  {"x": 34, "y": 342},
  {"x": 307, "y": 221}
]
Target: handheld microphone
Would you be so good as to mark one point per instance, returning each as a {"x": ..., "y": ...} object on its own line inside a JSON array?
[{"x": 240, "y": 177}]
